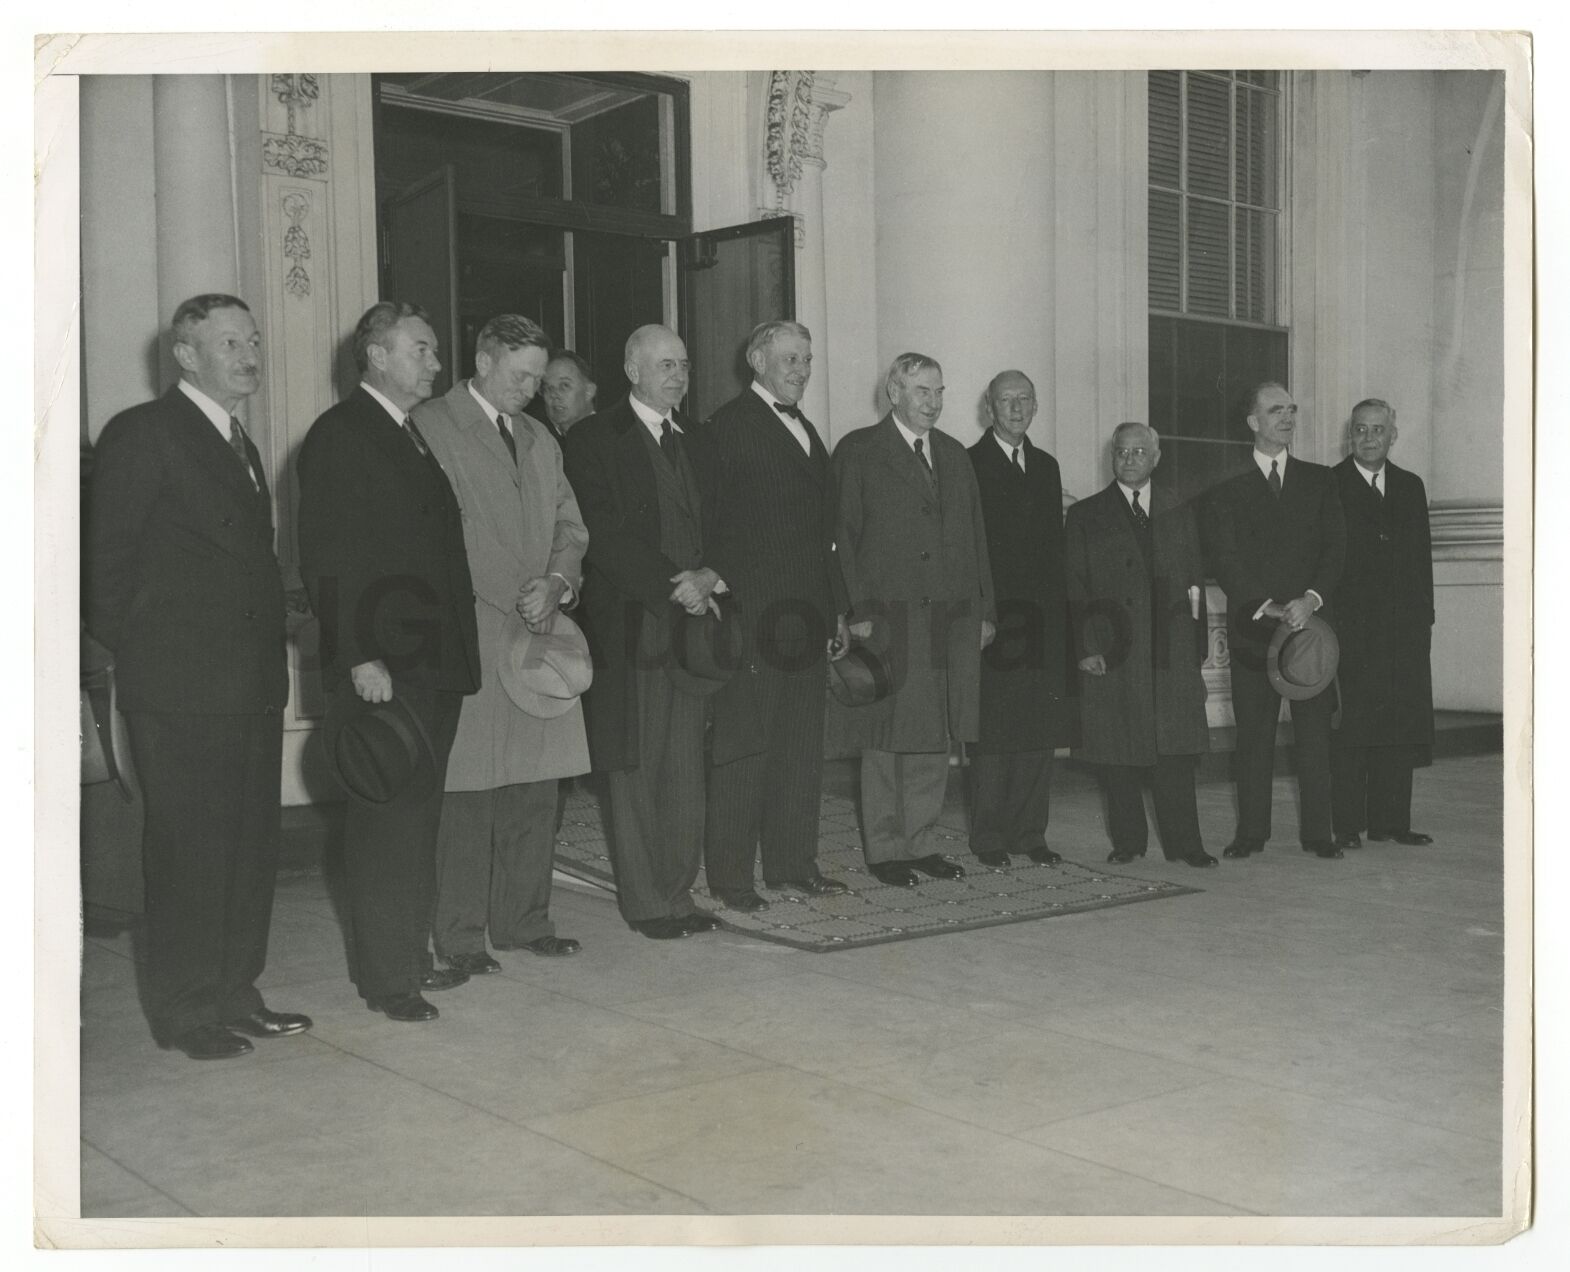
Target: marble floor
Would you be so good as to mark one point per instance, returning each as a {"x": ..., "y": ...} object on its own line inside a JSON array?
[{"x": 1304, "y": 1037}]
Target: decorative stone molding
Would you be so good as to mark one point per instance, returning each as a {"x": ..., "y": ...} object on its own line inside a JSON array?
[
  {"x": 789, "y": 127},
  {"x": 297, "y": 244},
  {"x": 292, "y": 153},
  {"x": 1467, "y": 529}
]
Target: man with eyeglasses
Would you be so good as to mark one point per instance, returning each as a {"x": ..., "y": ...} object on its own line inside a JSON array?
[
  {"x": 1136, "y": 579},
  {"x": 1024, "y": 714},
  {"x": 1278, "y": 544},
  {"x": 1385, "y": 618},
  {"x": 633, "y": 468}
]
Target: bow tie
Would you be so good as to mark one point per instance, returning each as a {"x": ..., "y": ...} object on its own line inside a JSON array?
[{"x": 795, "y": 412}]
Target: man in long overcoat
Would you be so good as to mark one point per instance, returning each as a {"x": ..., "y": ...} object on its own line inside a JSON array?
[
  {"x": 769, "y": 529},
  {"x": 913, "y": 549},
  {"x": 1024, "y": 713},
  {"x": 632, "y": 468},
  {"x": 1136, "y": 580},
  {"x": 1385, "y": 609},
  {"x": 525, "y": 541}
]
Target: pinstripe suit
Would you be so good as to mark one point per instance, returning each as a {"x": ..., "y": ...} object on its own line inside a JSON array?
[{"x": 769, "y": 532}]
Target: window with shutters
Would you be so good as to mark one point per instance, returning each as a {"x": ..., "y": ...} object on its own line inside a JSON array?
[{"x": 1217, "y": 225}]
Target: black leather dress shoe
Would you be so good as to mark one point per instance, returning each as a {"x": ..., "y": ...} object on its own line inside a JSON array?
[
  {"x": 408, "y": 1008},
  {"x": 814, "y": 885},
  {"x": 434, "y": 978},
  {"x": 552, "y": 946},
  {"x": 1123, "y": 858},
  {"x": 1243, "y": 848},
  {"x": 211, "y": 1042},
  {"x": 1044, "y": 856},
  {"x": 939, "y": 867},
  {"x": 262, "y": 1023},
  {"x": 664, "y": 929},
  {"x": 996, "y": 860},
  {"x": 480, "y": 964},
  {"x": 747, "y": 901},
  {"x": 894, "y": 873},
  {"x": 1413, "y": 838},
  {"x": 1349, "y": 840},
  {"x": 1323, "y": 848},
  {"x": 1200, "y": 858},
  {"x": 697, "y": 922}
]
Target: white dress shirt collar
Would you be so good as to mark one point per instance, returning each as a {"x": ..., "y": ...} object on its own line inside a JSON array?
[
  {"x": 1144, "y": 496},
  {"x": 797, "y": 429},
  {"x": 1263, "y": 461},
  {"x": 651, "y": 418},
  {"x": 910, "y": 438},
  {"x": 1009, "y": 448},
  {"x": 1367, "y": 476},
  {"x": 490, "y": 411},
  {"x": 398, "y": 415},
  {"x": 209, "y": 408}
]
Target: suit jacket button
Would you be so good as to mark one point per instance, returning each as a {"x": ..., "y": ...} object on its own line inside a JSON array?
[
  {"x": 926, "y": 600},
  {"x": 250, "y": 613},
  {"x": 227, "y": 522},
  {"x": 926, "y": 555}
]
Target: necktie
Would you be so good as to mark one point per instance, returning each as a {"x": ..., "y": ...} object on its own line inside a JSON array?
[
  {"x": 1274, "y": 480},
  {"x": 237, "y": 445},
  {"x": 414, "y": 435},
  {"x": 1019, "y": 460},
  {"x": 668, "y": 440},
  {"x": 1374, "y": 482},
  {"x": 1141, "y": 517},
  {"x": 792, "y": 410},
  {"x": 501, "y": 427}
]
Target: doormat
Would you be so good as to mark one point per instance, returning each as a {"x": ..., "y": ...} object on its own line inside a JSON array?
[{"x": 874, "y": 913}]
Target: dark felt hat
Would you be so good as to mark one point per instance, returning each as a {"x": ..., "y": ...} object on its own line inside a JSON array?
[
  {"x": 707, "y": 649},
  {"x": 378, "y": 751},
  {"x": 860, "y": 678},
  {"x": 1301, "y": 664}
]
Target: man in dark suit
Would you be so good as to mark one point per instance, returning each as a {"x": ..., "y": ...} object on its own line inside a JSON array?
[
  {"x": 632, "y": 469},
  {"x": 913, "y": 549},
  {"x": 1278, "y": 543},
  {"x": 183, "y": 587},
  {"x": 769, "y": 530},
  {"x": 1136, "y": 579},
  {"x": 382, "y": 555},
  {"x": 568, "y": 391},
  {"x": 1384, "y": 619},
  {"x": 1024, "y": 714}
]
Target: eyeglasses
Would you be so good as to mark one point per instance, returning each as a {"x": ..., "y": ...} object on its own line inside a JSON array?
[{"x": 1125, "y": 452}]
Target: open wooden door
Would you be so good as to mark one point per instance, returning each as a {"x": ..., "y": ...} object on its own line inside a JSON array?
[
  {"x": 422, "y": 260},
  {"x": 731, "y": 280}
]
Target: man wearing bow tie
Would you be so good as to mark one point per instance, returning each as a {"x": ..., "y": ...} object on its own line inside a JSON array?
[
  {"x": 183, "y": 586},
  {"x": 769, "y": 528}
]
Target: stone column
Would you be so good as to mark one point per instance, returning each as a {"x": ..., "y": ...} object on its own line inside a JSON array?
[
  {"x": 798, "y": 108},
  {"x": 193, "y": 169}
]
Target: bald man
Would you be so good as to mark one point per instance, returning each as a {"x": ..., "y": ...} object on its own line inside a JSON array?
[{"x": 632, "y": 467}]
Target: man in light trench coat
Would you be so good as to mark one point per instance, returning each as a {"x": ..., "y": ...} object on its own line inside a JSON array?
[{"x": 525, "y": 542}]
